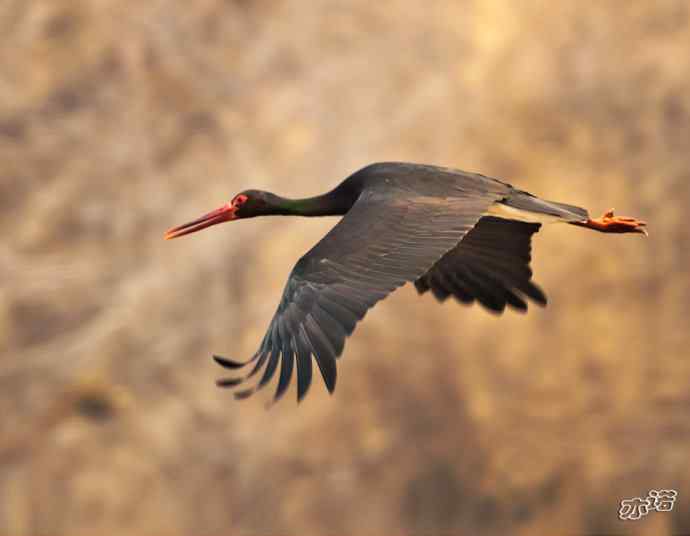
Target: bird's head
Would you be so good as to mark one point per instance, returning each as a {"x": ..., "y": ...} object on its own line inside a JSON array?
[{"x": 246, "y": 204}]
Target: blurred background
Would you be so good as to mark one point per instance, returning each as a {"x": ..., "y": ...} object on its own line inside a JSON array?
[{"x": 120, "y": 119}]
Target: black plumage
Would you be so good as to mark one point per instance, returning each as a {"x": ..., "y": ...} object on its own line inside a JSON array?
[
  {"x": 490, "y": 265},
  {"x": 403, "y": 223}
]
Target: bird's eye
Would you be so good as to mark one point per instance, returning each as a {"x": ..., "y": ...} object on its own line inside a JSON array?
[{"x": 240, "y": 200}]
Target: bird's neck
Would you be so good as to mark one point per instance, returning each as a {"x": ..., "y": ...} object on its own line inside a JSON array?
[{"x": 333, "y": 203}]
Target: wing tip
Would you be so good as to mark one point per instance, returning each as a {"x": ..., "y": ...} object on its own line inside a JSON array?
[
  {"x": 540, "y": 296},
  {"x": 245, "y": 393},
  {"x": 230, "y": 363},
  {"x": 228, "y": 382}
]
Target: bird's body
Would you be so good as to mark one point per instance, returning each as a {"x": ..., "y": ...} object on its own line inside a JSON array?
[{"x": 447, "y": 231}]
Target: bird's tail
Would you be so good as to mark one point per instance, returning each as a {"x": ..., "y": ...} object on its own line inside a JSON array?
[
  {"x": 531, "y": 205},
  {"x": 523, "y": 206}
]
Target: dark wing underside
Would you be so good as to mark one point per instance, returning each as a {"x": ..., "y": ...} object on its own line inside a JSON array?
[
  {"x": 385, "y": 240},
  {"x": 490, "y": 265}
]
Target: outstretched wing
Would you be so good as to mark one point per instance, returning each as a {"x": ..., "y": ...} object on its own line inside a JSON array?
[
  {"x": 382, "y": 242},
  {"x": 490, "y": 265}
]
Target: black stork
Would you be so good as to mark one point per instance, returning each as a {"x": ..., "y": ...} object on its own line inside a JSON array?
[{"x": 451, "y": 232}]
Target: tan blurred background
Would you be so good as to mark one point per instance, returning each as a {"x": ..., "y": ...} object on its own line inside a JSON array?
[{"x": 119, "y": 119}]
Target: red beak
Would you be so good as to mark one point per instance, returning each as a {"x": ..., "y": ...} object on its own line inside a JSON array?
[{"x": 224, "y": 213}]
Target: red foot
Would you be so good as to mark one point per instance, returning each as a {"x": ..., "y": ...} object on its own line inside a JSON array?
[{"x": 609, "y": 223}]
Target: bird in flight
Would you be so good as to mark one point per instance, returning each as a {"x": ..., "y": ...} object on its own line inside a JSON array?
[{"x": 447, "y": 231}]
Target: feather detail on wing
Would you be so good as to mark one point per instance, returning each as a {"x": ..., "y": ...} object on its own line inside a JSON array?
[{"x": 382, "y": 242}]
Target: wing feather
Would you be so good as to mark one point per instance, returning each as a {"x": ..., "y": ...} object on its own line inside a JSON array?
[
  {"x": 490, "y": 265},
  {"x": 382, "y": 242}
]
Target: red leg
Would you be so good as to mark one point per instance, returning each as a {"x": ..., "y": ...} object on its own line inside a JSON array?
[{"x": 609, "y": 223}]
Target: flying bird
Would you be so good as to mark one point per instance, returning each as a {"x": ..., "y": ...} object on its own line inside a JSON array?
[{"x": 447, "y": 231}]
